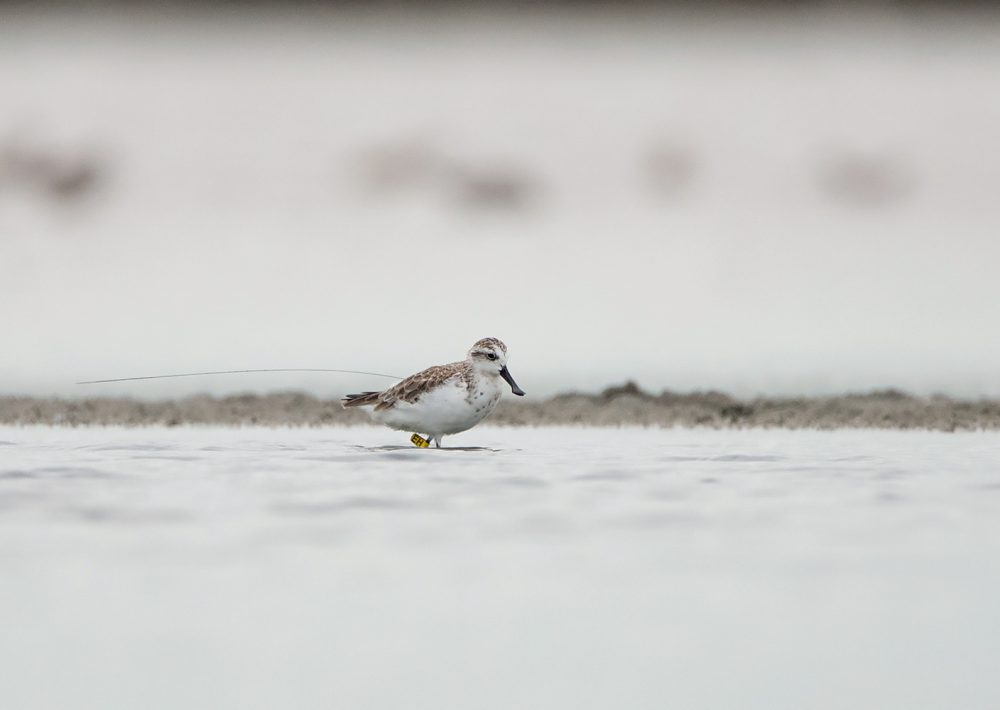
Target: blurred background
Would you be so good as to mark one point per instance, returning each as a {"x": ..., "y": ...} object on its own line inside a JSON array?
[{"x": 765, "y": 198}]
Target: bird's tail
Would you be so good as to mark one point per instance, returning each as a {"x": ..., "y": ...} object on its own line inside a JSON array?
[{"x": 360, "y": 400}]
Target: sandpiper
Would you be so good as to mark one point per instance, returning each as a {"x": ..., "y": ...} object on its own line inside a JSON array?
[{"x": 444, "y": 399}]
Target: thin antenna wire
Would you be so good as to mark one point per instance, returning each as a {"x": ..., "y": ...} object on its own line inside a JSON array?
[{"x": 239, "y": 372}]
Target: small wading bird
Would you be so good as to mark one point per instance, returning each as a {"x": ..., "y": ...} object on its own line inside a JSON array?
[{"x": 444, "y": 399}]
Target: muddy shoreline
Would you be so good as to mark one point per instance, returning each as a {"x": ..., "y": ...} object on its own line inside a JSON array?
[{"x": 623, "y": 405}]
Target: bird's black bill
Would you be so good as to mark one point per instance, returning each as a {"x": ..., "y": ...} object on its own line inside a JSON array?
[{"x": 504, "y": 373}]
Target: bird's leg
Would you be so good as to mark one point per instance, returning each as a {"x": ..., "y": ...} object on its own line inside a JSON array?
[{"x": 437, "y": 442}]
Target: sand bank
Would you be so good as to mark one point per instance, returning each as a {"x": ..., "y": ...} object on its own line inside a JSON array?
[{"x": 615, "y": 406}]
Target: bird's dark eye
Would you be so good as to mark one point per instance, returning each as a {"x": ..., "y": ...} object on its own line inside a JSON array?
[{"x": 491, "y": 356}]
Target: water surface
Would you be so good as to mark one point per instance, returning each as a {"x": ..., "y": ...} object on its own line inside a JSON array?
[{"x": 548, "y": 568}]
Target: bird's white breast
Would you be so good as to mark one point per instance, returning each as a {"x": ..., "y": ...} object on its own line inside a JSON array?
[{"x": 449, "y": 408}]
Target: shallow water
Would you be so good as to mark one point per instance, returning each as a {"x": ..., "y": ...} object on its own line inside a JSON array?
[{"x": 554, "y": 568}]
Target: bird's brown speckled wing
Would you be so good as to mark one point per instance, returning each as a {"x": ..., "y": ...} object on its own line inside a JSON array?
[{"x": 410, "y": 389}]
